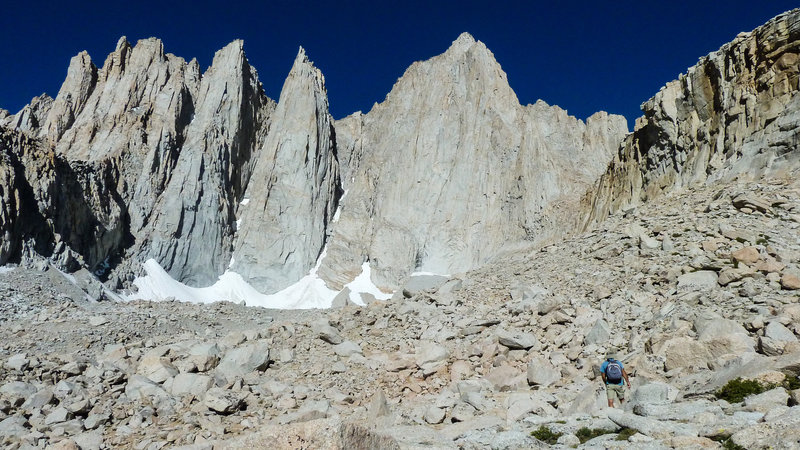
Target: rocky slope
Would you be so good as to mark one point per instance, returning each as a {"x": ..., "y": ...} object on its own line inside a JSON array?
[{"x": 690, "y": 301}]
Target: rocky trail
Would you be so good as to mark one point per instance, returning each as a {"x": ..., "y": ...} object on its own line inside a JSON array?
[{"x": 693, "y": 290}]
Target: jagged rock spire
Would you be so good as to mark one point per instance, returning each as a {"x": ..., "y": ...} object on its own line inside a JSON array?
[{"x": 292, "y": 193}]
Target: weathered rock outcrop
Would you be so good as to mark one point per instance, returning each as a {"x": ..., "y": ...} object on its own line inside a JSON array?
[
  {"x": 450, "y": 168},
  {"x": 191, "y": 228},
  {"x": 735, "y": 113},
  {"x": 293, "y": 193},
  {"x": 160, "y": 153},
  {"x": 9, "y": 201},
  {"x": 48, "y": 203}
]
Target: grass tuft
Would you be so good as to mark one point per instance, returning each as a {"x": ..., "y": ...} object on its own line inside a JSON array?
[
  {"x": 625, "y": 433},
  {"x": 545, "y": 435},
  {"x": 726, "y": 441},
  {"x": 587, "y": 434},
  {"x": 736, "y": 390}
]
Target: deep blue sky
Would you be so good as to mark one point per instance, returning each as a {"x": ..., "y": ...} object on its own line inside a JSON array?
[{"x": 584, "y": 56}]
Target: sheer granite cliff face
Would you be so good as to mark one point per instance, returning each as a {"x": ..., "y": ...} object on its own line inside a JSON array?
[
  {"x": 293, "y": 192},
  {"x": 450, "y": 168},
  {"x": 734, "y": 114},
  {"x": 170, "y": 148},
  {"x": 191, "y": 228}
]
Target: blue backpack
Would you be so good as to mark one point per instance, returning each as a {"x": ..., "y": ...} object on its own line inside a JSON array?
[{"x": 613, "y": 371}]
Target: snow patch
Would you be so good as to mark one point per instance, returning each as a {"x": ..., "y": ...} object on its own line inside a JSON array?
[
  {"x": 363, "y": 284},
  {"x": 308, "y": 293},
  {"x": 339, "y": 208},
  {"x": 244, "y": 201},
  {"x": 6, "y": 269},
  {"x": 431, "y": 274}
]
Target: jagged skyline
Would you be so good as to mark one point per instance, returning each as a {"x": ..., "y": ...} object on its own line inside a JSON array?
[{"x": 579, "y": 57}]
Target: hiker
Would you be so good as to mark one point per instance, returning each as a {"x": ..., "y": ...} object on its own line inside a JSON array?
[{"x": 615, "y": 377}]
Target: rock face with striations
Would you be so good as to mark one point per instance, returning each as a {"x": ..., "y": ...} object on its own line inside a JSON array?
[
  {"x": 735, "y": 113},
  {"x": 192, "y": 226},
  {"x": 159, "y": 153},
  {"x": 450, "y": 168},
  {"x": 292, "y": 195},
  {"x": 9, "y": 200}
]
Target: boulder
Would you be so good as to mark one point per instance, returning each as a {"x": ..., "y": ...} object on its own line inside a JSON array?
[
  {"x": 205, "y": 356},
  {"x": 516, "y": 340},
  {"x": 700, "y": 412},
  {"x": 747, "y": 255},
  {"x": 790, "y": 281},
  {"x": 342, "y": 298},
  {"x": 39, "y": 399},
  {"x": 95, "y": 420},
  {"x": 13, "y": 426},
  {"x": 17, "y": 392},
  {"x": 782, "y": 431},
  {"x": 685, "y": 352},
  {"x": 525, "y": 298},
  {"x": 654, "y": 393},
  {"x": 599, "y": 334},
  {"x": 326, "y": 332},
  {"x": 189, "y": 384},
  {"x": 521, "y": 405},
  {"x": 243, "y": 360},
  {"x": 222, "y": 401},
  {"x": 89, "y": 441},
  {"x": 58, "y": 415},
  {"x": 702, "y": 280},
  {"x": 722, "y": 336},
  {"x": 434, "y": 415},
  {"x": 462, "y": 412},
  {"x": 506, "y": 378},
  {"x": 156, "y": 368},
  {"x": 311, "y": 410},
  {"x": 767, "y": 401},
  {"x": 776, "y": 331},
  {"x": 541, "y": 372},
  {"x": 423, "y": 283},
  {"x": 17, "y": 362},
  {"x": 140, "y": 388},
  {"x": 379, "y": 406},
  {"x": 430, "y": 355},
  {"x": 659, "y": 429},
  {"x": 347, "y": 348},
  {"x": 752, "y": 202},
  {"x": 771, "y": 347},
  {"x": 730, "y": 275}
]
